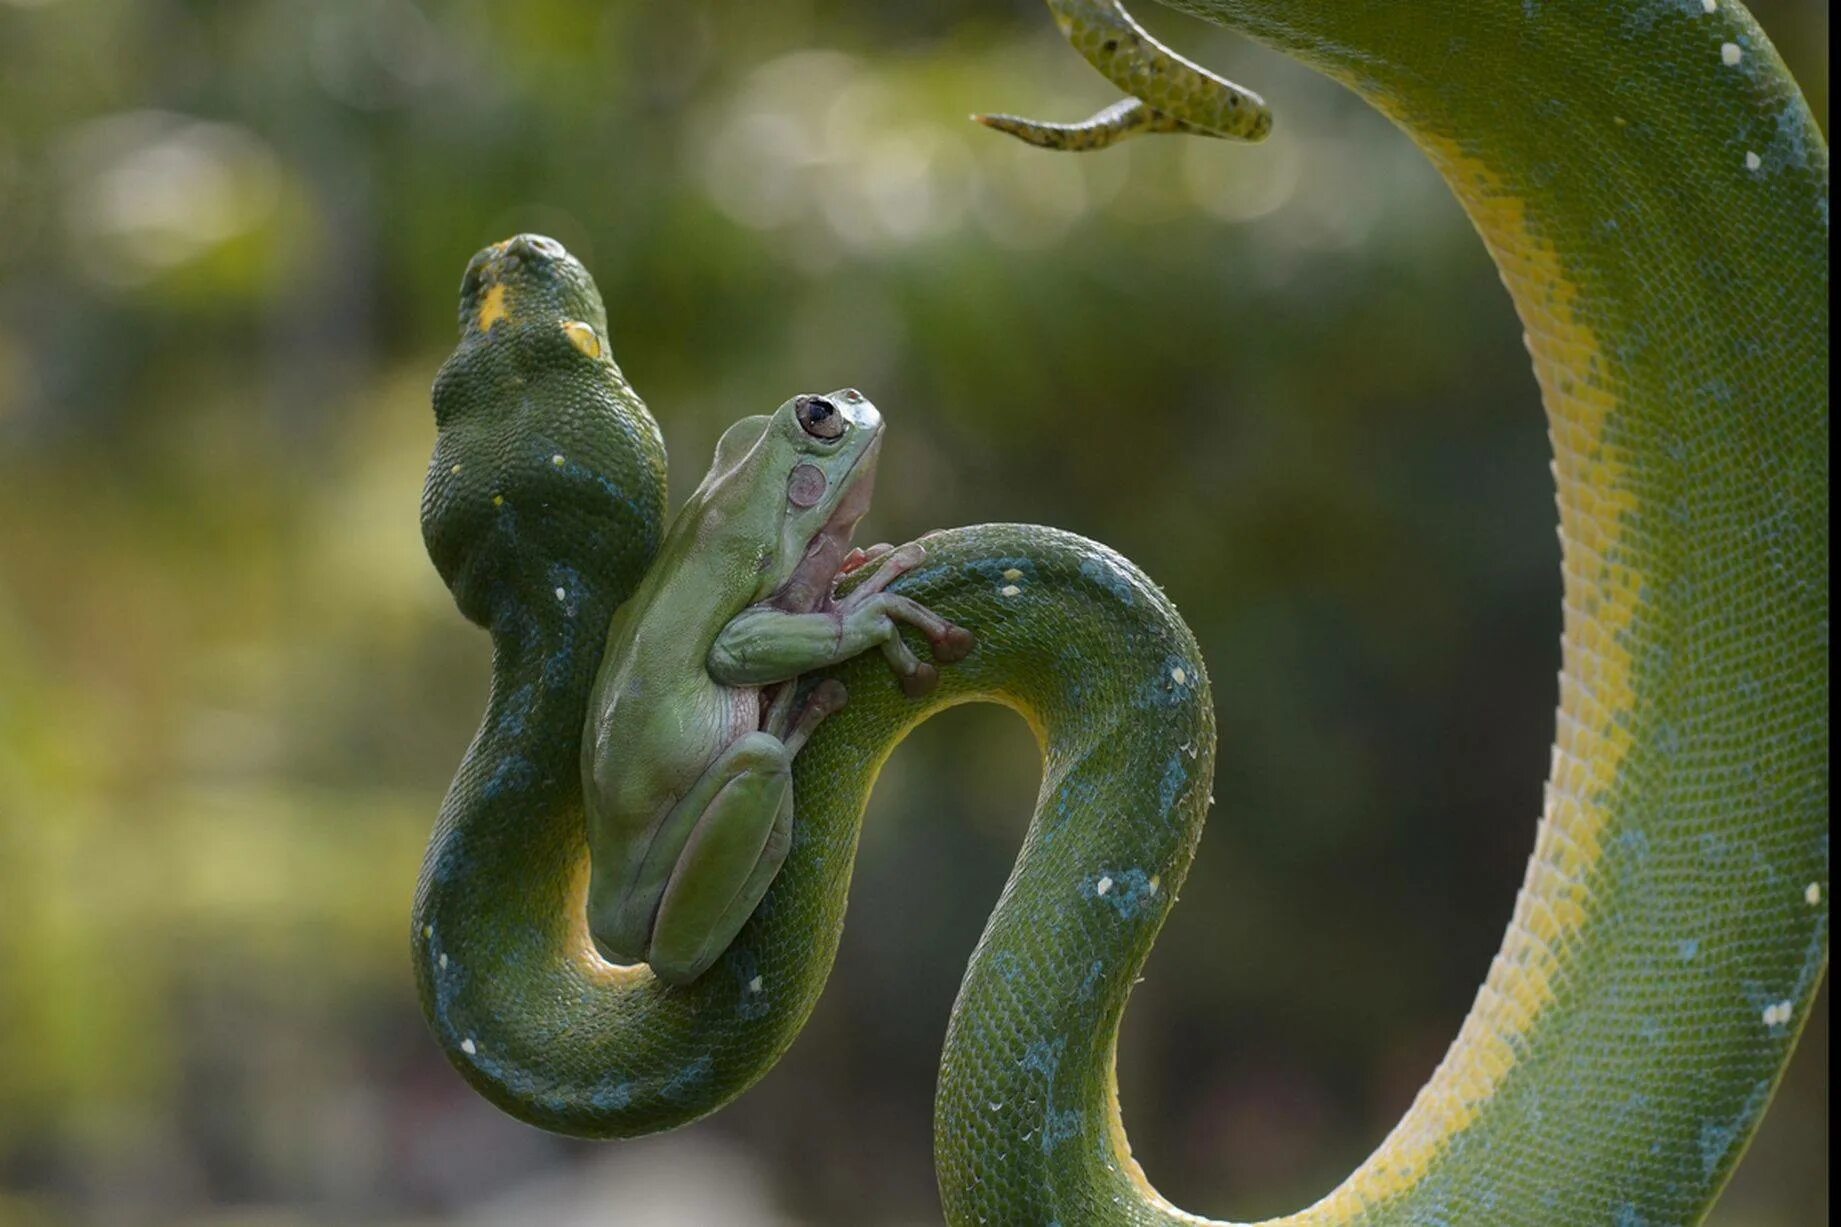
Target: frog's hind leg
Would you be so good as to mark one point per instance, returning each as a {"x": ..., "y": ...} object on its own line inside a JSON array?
[
  {"x": 737, "y": 846},
  {"x": 777, "y": 715},
  {"x": 822, "y": 700},
  {"x": 624, "y": 903},
  {"x": 725, "y": 869},
  {"x": 827, "y": 697}
]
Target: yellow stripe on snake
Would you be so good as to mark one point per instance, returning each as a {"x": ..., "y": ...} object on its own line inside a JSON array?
[{"x": 1653, "y": 188}]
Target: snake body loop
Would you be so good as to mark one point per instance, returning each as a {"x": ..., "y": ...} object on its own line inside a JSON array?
[{"x": 1655, "y": 193}]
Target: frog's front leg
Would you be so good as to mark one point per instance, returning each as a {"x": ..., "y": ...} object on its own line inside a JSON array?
[{"x": 764, "y": 644}]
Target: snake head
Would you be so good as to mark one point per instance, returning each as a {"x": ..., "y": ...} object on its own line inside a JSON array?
[
  {"x": 526, "y": 280},
  {"x": 543, "y": 450}
]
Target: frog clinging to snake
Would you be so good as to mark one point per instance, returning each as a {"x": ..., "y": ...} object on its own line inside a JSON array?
[{"x": 637, "y": 882}]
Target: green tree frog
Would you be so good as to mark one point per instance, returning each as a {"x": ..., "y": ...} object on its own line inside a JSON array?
[{"x": 696, "y": 712}]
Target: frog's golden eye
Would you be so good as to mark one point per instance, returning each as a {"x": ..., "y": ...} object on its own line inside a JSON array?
[
  {"x": 583, "y": 337},
  {"x": 819, "y": 417}
]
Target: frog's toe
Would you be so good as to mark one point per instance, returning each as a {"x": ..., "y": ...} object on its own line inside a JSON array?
[
  {"x": 954, "y": 643},
  {"x": 858, "y": 558},
  {"x": 920, "y": 683},
  {"x": 829, "y": 696}
]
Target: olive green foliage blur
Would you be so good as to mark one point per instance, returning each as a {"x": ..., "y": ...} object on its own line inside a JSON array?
[{"x": 1283, "y": 379}]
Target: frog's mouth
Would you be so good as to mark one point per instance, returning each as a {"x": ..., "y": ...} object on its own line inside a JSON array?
[{"x": 808, "y": 589}]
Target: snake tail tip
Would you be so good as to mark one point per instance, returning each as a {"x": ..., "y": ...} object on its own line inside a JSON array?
[{"x": 1030, "y": 132}]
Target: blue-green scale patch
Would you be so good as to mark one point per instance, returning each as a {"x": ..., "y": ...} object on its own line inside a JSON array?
[
  {"x": 685, "y": 1080},
  {"x": 514, "y": 773},
  {"x": 1058, "y": 1125},
  {"x": 1126, "y": 891},
  {"x": 1108, "y": 577},
  {"x": 994, "y": 569},
  {"x": 1175, "y": 775}
]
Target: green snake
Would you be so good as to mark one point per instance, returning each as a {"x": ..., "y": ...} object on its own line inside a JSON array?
[{"x": 1653, "y": 188}]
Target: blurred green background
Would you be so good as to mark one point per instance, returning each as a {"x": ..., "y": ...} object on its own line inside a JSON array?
[{"x": 1284, "y": 379}]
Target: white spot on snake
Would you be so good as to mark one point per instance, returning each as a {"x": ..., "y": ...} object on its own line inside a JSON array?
[
  {"x": 1104, "y": 885},
  {"x": 1709, "y": 6},
  {"x": 1812, "y": 894},
  {"x": 1010, "y": 590},
  {"x": 428, "y": 931},
  {"x": 1752, "y": 160},
  {"x": 754, "y": 985},
  {"x": 443, "y": 961},
  {"x": 1730, "y": 54},
  {"x": 1156, "y": 881},
  {"x": 557, "y": 460},
  {"x": 561, "y": 595},
  {"x": 1178, "y": 676},
  {"x": 468, "y": 1046},
  {"x": 455, "y": 470},
  {"x": 1779, "y": 1014},
  {"x": 1013, "y": 573}
]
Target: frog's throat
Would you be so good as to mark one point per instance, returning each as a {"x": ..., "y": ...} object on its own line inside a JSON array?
[{"x": 808, "y": 589}]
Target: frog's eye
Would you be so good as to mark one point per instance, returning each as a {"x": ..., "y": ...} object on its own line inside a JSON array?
[{"x": 819, "y": 417}]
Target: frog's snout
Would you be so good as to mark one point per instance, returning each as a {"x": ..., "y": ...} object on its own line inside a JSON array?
[{"x": 858, "y": 410}]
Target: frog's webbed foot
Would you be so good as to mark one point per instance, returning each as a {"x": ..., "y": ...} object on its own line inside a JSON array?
[
  {"x": 1167, "y": 92},
  {"x": 794, "y": 722},
  {"x": 869, "y": 603},
  {"x": 827, "y": 698}
]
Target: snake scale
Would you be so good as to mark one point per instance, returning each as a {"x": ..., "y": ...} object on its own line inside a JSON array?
[{"x": 1655, "y": 193}]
